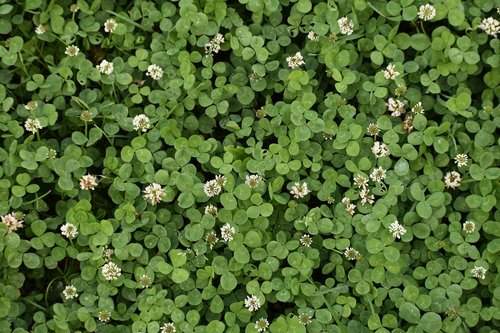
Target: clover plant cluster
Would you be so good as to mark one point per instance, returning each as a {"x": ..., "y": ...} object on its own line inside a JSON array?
[{"x": 283, "y": 166}]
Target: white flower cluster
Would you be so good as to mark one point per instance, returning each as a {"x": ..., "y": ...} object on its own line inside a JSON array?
[
  {"x": 373, "y": 129},
  {"x": 214, "y": 45},
  {"x": 253, "y": 180},
  {"x": 111, "y": 271},
  {"x": 261, "y": 325},
  {"x": 417, "y": 108},
  {"x": 295, "y": 60},
  {"x": 479, "y": 272},
  {"x": 378, "y": 174},
  {"x": 306, "y": 240},
  {"x": 397, "y": 230},
  {"x": 366, "y": 197},
  {"x": 105, "y": 67},
  {"x": 313, "y": 36},
  {"x": 141, "y": 122},
  {"x": 70, "y": 292},
  {"x": 380, "y": 149},
  {"x": 69, "y": 230},
  {"x": 452, "y": 179},
  {"x": 461, "y": 160},
  {"x": 41, "y": 29},
  {"x": 346, "y": 26},
  {"x": 154, "y": 193},
  {"x": 211, "y": 209},
  {"x": 168, "y": 328},
  {"x": 252, "y": 303},
  {"x": 390, "y": 72},
  {"x": 491, "y": 26},
  {"x": 110, "y": 25},
  {"x": 349, "y": 207},
  {"x": 12, "y": 221},
  {"x": 227, "y": 232},
  {"x": 32, "y": 125},
  {"x": 469, "y": 227},
  {"x": 104, "y": 316},
  {"x": 300, "y": 190},
  {"x": 72, "y": 50},
  {"x": 427, "y": 12},
  {"x": 88, "y": 182},
  {"x": 395, "y": 106},
  {"x": 214, "y": 187},
  {"x": 351, "y": 254},
  {"x": 155, "y": 72}
]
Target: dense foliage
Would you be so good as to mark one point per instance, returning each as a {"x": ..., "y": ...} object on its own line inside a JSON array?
[{"x": 246, "y": 166}]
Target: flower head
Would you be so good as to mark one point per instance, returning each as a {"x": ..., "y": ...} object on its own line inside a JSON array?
[
  {"x": 469, "y": 227},
  {"x": 111, "y": 271},
  {"x": 261, "y": 325},
  {"x": 214, "y": 45},
  {"x": 397, "y": 230},
  {"x": 417, "y": 108},
  {"x": 227, "y": 232},
  {"x": 252, "y": 180},
  {"x": 72, "y": 50},
  {"x": 351, "y": 254},
  {"x": 31, "y": 105},
  {"x": 145, "y": 281},
  {"x": 107, "y": 253},
  {"x": 154, "y": 193},
  {"x": 378, "y": 174},
  {"x": 69, "y": 230},
  {"x": 110, "y": 25},
  {"x": 491, "y": 26},
  {"x": 104, "y": 316},
  {"x": 479, "y": 272},
  {"x": 52, "y": 153},
  {"x": 373, "y": 129},
  {"x": 305, "y": 319},
  {"x": 141, "y": 123},
  {"x": 13, "y": 221},
  {"x": 212, "y": 188},
  {"x": 427, "y": 12},
  {"x": 211, "y": 209},
  {"x": 349, "y": 207},
  {"x": 313, "y": 36},
  {"x": 252, "y": 303},
  {"x": 306, "y": 240},
  {"x": 155, "y": 71},
  {"x": 70, "y": 292},
  {"x": 41, "y": 29},
  {"x": 346, "y": 26},
  {"x": 390, "y": 72},
  {"x": 32, "y": 125},
  {"x": 295, "y": 61},
  {"x": 168, "y": 328},
  {"x": 74, "y": 8},
  {"x": 86, "y": 116},
  {"x": 212, "y": 239},
  {"x": 261, "y": 113},
  {"x": 380, "y": 149},
  {"x": 396, "y": 107},
  {"x": 88, "y": 182},
  {"x": 221, "y": 180},
  {"x": 461, "y": 160},
  {"x": 105, "y": 67},
  {"x": 360, "y": 181},
  {"x": 300, "y": 190},
  {"x": 452, "y": 179},
  {"x": 366, "y": 197}
]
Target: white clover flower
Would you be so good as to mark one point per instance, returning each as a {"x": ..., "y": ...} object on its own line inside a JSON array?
[
  {"x": 373, "y": 129},
  {"x": 211, "y": 209},
  {"x": 52, "y": 153},
  {"x": 469, "y": 227},
  {"x": 346, "y": 26},
  {"x": 349, "y": 207},
  {"x": 417, "y": 108},
  {"x": 70, "y": 292},
  {"x": 141, "y": 123},
  {"x": 390, "y": 72},
  {"x": 107, "y": 253},
  {"x": 461, "y": 160},
  {"x": 105, "y": 67},
  {"x": 427, "y": 12},
  {"x": 104, "y": 316},
  {"x": 351, "y": 254},
  {"x": 366, "y": 197},
  {"x": 168, "y": 328},
  {"x": 491, "y": 26},
  {"x": 300, "y": 190},
  {"x": 306, "y": 240},
  {"x": 305, "y": 319},
  {"x": 74, "y": 8},
  {"x": 221, "y": 180},
  {"x": 479, "y": 272},
  {"x": 88, "y": 182},
  {"x": 69, "y": 230},
  {"x": 32, "y": 125},
  {"x": 397, "y": 230},
  {"x": 155, "y": 71},
  {"x": 212, "y": 188},
  {"x": 12, "y": 221},
  {"x": 31, "y": 105},
  {"x": 214, "y": 45},
  {"x": 360, "y": 181},
  {"x": 253, "y": 180},
  {"x": 145, "y": 281},
  {"x": 110, "y": 25},
  {"x": 295, "y": 61},
  {"x": 452, "y": 179},
  {"x": 227, "y": 232},
  {"x": 154, "y": 193},
  {"x": 72, "y": 50},
  {"x": 252, "y": 303},
  {"x": 313, "y": 36},
  {"x": 380, "y": 149},
  {"x": 378, "y": 174},
  {"x": 212, "y": 239},
  {"x": 111, "y": 271},
  {"x": 395, "y": 106},
  {"x": 261, "y": 325},
  {"x": 41, "y": 29}
]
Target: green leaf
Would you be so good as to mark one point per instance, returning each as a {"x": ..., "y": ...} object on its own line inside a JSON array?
[
  {"x": 410, "y": 313},
  {"x": 431, "y": 322},
  {"x": 179, "y": 275},
  {"x": 31, "y": 260},
  {"x": 228, "y": 281}
]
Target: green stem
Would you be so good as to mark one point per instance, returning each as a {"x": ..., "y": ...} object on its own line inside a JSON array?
[
  {"x": 48, "y": 288},
  {"x": 38, "y": 198},
  {"x": 86, "y": 130},
  {"x": 22, "y": 63},
  {"x": 36, "y": 305}
]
